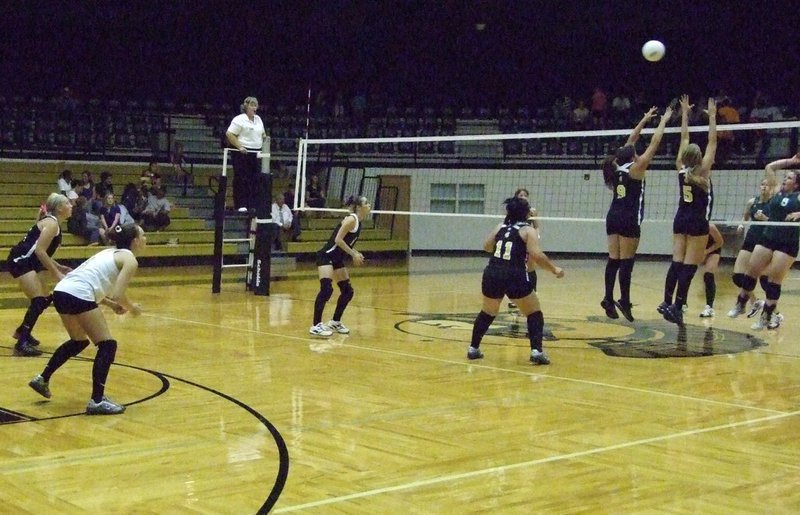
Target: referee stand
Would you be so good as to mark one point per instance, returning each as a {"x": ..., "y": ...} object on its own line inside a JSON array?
[{"x": 261, "y": 231}]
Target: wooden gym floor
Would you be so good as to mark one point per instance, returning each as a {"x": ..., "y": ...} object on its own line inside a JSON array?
[{"x": 234, "y": 408}]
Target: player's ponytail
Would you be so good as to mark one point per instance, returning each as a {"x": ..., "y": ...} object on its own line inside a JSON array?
[{"x": 123, "y": 235}]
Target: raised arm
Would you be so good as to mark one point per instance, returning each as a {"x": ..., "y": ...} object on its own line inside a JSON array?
[
  {"x": 711, "y": 147},
  {"x": 640, "y": 166},
  {"x": 770, "y": 171},
  {"x": 685, "y": 108},
  {"x": 634, "y": 137}
]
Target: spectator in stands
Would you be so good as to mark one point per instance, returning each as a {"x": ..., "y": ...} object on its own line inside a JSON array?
[
  {"x": 621, "y": 106},
  {"x": 134, "y": 200},
  {"x": 763, "y": 111},
  {"x": 315, "y": 197},
  {"x": 246, "y": 133},
  {"x": 103, "y": 188},
  {"x": 580, "y": 116},
  {"x": 156, "y": 214},
  {"x": 148, "y": 175},
  {"x": 75, "y": 191},
  {"x": 65, "y": 182},
  {"x": 31, "y": 256},
  {"x": 288, "y": 198},
  {"x": 282, "y": 218},
  {"x": 88, "y": 185},
  {"x": 599, "y": 108},
  {"x": 109, "y": 216},
  {"x": 83, "y": 223},
  {"x": 726, "y": 114}
]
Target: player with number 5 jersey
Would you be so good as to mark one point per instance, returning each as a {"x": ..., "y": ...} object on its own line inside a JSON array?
[{"x": 510, "y": 244}]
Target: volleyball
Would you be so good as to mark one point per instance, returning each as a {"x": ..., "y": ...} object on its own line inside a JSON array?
[{"x": 653, "y": 50}]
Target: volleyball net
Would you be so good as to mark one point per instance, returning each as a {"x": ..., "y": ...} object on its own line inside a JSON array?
[{"x": 453, "y": 178}]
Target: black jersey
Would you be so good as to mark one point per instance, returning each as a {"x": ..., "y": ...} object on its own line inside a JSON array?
[
  {"x": 25, "y": 249},
  {"x": 779, "y": 206},
  {"x": 510, "y": 250},
  {"x": 628, "y": 195},
  {"x": 350, "y": 238},
  {"x": 694, "y": 201},
  {"x": 755, "y": 231}
]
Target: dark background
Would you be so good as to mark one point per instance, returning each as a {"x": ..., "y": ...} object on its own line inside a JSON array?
[{"x": 412, "y": 52}]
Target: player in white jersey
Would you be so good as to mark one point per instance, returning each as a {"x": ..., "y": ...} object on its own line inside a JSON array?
[{"x": 102, "y": 279}]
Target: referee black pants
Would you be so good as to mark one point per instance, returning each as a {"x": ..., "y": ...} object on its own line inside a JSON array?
[{"x": 246, "y": 168}]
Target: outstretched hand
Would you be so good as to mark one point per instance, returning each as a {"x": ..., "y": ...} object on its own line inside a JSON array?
[{"x": 685, "y": 105}]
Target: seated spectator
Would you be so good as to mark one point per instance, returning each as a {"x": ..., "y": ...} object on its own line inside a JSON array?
[
  {"x": 726, "y": 114},
  {"x": 75, "y": 191},
  {"x": 110, "y": 215},
  {"x": 134, "y": 200},
  {"x": 580, "y": 116},
  {"x": 84, "y": 223},
  {"x": 314, "y": 194},
  {"x": 148, "y": 174},
  {"x": 156, "y": 213},
  {"x": 288, "y": 199},
  {"x": 65, "y": 182},
  {"x": 181, "y": 166},
  {"x": 101, "y": 190},
  {"x": 88, "y": 185},
  {"x": 282, "y": 218}
]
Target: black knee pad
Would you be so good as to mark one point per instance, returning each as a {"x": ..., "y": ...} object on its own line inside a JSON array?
[
  {"x": 108, "y": 349},
  {"x": 772, "y": 291},
  {"x": 75, "y": 347},
  {"x": 748, "y": 283},
  {"x": 325, "y": 289},
  {"x": 763, "y": 281},
  {"x": 737, "y": 280}
]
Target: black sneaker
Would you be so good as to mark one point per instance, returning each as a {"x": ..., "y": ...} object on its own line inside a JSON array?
[
  {"x": 626, "y": 308},
  {"x": 24, "y": 348},
  {"x": 611, "y": 310},
  {"x": 31, "y": 340},
  {"x": 662, "y": 307},
  {"x": 674, "y": 314}
]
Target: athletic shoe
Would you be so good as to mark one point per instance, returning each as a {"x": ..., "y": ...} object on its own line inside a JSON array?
[
  {"x": 708, "y": 312},
  {"x": 339, "y": 327},
  {"x": 761, "y": 323},
  {"x": 737, "y": 310},
  {"x": 775, "y": 321},
  {"x": 755, "y": 308},
  {"x": 611, "y": 310},
  {"x": 626, "y": 309},
  {"x": 473, "y": 353},
  {"x": 31, "y": 340},
  {"x": 104, "y": 407},
  {"x": 674, "y": 314},
  {"x": 320, "y": 330},
  {"x": 24, "y": 348},
  {"x": 40, "y": 386},
  {"x": 662, "y": 307},
  {"x": 539, "y": 358}
]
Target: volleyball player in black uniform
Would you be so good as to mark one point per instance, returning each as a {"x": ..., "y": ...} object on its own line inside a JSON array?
[
  {"x": 710, "y": 265},
  {"x": 330, "y": 265},
  {"x": 777, "y": 250},
  {"x": 511, "y": 244},
  {"x": 624, "y": 175},
  {"x": 756, "y": 209},
  {"x": 32, "y": 256},
  {"x": 690, "y": 226}
]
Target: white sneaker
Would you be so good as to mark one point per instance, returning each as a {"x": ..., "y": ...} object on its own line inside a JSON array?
[
  {"x": 105, "y": 407},
  {"x": 320, "y": 330},
  {"x": 737, "y": 310},
  {"x": 755, "y": 308},
  {"x": 761, "y": 323},
  {"x": 775, "y": 321},
  {"x": 708, "y": 312},
  {"x": 338, "y": 327}
]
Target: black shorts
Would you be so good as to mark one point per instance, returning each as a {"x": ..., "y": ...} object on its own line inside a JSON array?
[
  {"x": 67, "y": 304},
  {"x": 622, "y": 226},
  {"x": 751, "y": 239},
  {"x": 23, "y": 266},
  {"x": 335, "y": 259},
  {"x": 787, "y": 247},
  {"x": 499, "y": 281},
  {"x": 690, "y": 225}
]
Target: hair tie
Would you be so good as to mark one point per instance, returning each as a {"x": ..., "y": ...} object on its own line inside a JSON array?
[{"x": 118, "y": 229}]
